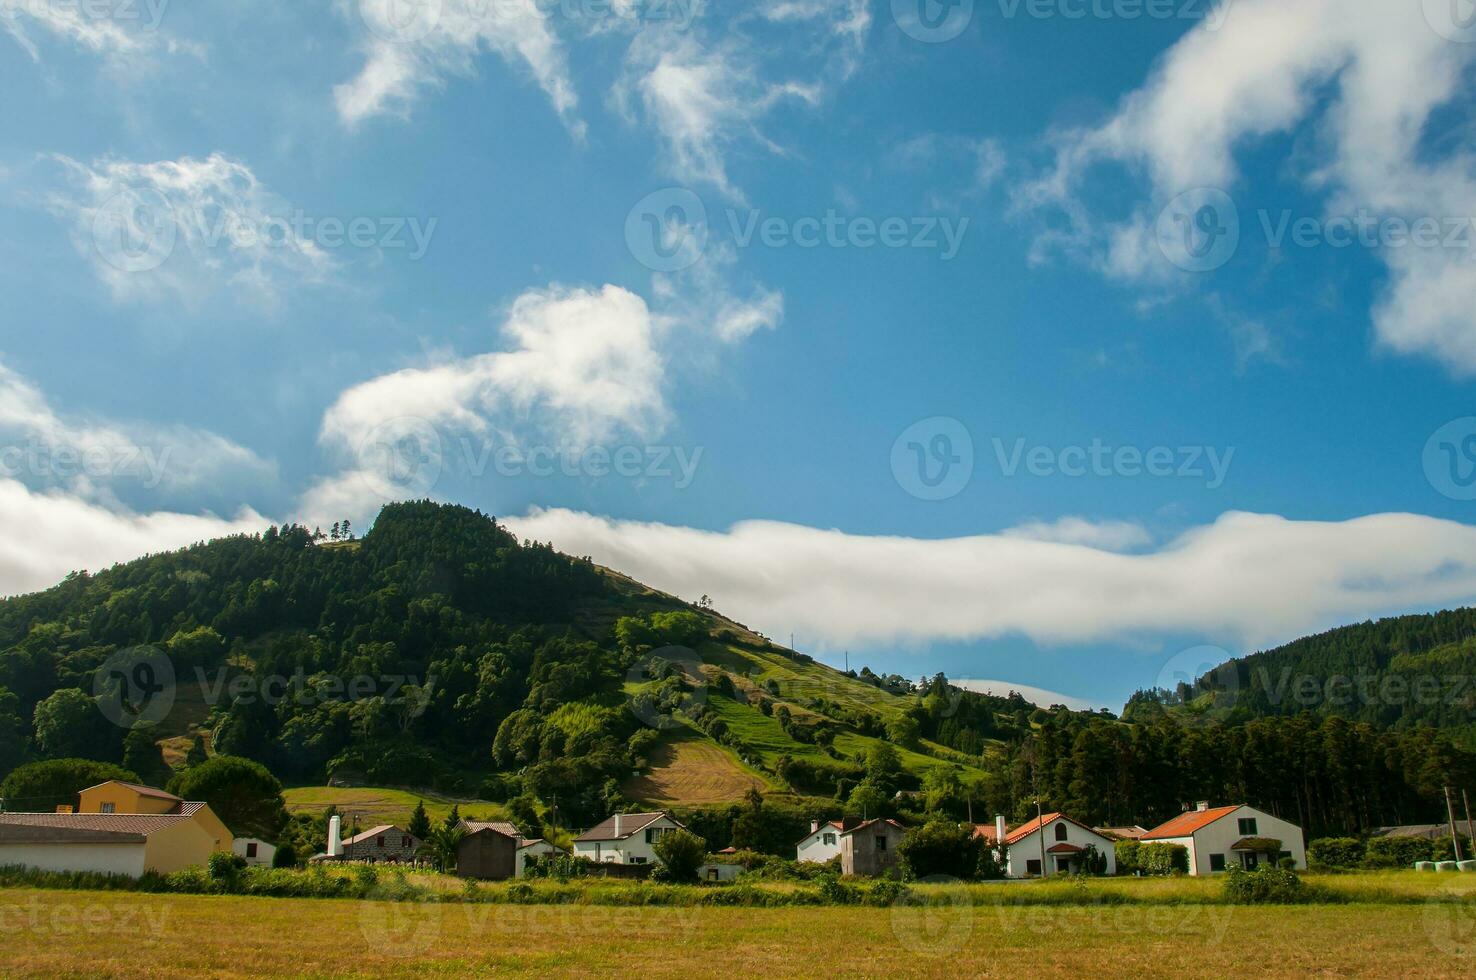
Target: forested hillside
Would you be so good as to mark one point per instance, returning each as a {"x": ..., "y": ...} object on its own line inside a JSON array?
[{"x": 439, "y": 652}]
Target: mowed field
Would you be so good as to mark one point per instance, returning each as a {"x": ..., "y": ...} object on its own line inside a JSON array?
[
  {"x": 118, "y": 934},
  {"x": 693, "y": 772},
  {"x": 372, "y": 805}
]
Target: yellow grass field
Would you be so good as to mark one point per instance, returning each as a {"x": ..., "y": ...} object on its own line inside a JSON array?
[
  {"x": 117, "y": 934},
  {"x": 693, "y": 772},
  {"x": 382, "y": 806}
]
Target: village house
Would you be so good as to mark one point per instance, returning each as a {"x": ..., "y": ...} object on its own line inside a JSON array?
[
  {"x": 120, "y": 828},
  {"x": 1218, "y": 838},
  {"x": 488, "y": 851},
  {"x": 1049, "y": 844},
  {"x": 255, "y": 852},
  {"x": 822, "y": 844},
  {"x": 378, "y": 845},
  {"x": 625, "y": 838},
  {"x": 530, "y": 850},
  {"x": 870, "y": 848}
]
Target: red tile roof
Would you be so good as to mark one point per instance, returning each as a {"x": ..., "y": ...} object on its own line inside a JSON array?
[
  {"x": 1016, "y": 834},
  {"x": 1064, "y": 849},
  {"x": 1188, "y": 823},
  {"x": 868, "y": 823}
]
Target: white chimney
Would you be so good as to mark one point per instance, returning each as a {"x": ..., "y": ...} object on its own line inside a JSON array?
[
  {"x": 1202, "y": 805},
  {"x": 335, "y": 836},
  {"x": 814, "y": 826},
  {"x": 618, "y": 834},
  {"x": 999, "y": 828}
]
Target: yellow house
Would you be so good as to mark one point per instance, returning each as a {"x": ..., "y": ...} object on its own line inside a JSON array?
[{"x": 121, "y": 828}]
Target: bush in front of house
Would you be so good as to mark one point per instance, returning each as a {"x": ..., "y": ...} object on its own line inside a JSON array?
[
  {"x": 1162, "y": 858},
  {"x": 1336, "y": 853},
  {"x": 682, "y": 853},
  {"x": 1265, "y": 886},
  {"x": 941, "y": 847},
  {"x": 1127, "y": 856}
]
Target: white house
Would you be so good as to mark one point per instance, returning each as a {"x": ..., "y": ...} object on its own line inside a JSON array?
[
  {"x": 1221, "y": 837},
  {"x": 529, "y": 849},
  {"x": 256, "y": 853},
  {"x": 1047, "y": 845},
  {"x": 626, "y": 838},
  {"x": 822, "y": 844}
]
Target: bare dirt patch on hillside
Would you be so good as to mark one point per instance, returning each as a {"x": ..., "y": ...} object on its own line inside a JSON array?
[{"x": 691, "y": 772}]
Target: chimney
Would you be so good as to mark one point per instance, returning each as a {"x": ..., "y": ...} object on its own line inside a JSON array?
[
  {"x": 618, "y": 834},
  {"x": 999, "y": 828},
  {"x": 335, "y": 836},
  {"x": 1202, "y": 806},
  {"x": 814, "y": 826}
]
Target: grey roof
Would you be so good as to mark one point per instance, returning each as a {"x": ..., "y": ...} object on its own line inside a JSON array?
[
  {"x": 1427, "y": 830},
  {"x": 630, "y": 825}
]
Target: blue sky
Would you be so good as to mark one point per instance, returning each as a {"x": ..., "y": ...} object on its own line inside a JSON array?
[{"x": 177, "y": 182}]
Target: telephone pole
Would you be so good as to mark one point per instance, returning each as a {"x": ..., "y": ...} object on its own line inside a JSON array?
[
  {"x": 1470, "y": 828},
  {"x": 1455, "y": 837}
]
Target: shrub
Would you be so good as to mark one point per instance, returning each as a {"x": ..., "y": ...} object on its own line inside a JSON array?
[
  {"x": 1396, "y": 852},
  {"x": 286, "y": 857},
  {"x": 833, "y": 891},
  {"x": 941, "y": 847},
  {"x": 1341, "y": 853},
  {"x": 1264, "y": 886},
  {"x": 887, "y": 891},
  {"x": 1127, "y": 856},
  {"x": 1162, "y": 858},
  {"x": 225, "y": 867},
  {"x": 681, "y": 853}
]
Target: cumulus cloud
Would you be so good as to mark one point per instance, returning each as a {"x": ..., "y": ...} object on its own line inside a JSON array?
[
  {"x": 1249, "y": 578},
  {"x": 185, "y": 229},
  {"x": 411, "y": 47},
  {"x": 97, "y": 458},
  {"x": 1373, "y": 82},
  {"x": 1106, "y": 535},
  {"x": 44, "y": 536}
]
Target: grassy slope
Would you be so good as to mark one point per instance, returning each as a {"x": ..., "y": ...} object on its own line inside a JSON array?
[
  {"x": 129, "y": 934},
  {"x": 689, "y": 770},
  {"x": 374, "y": 805}
]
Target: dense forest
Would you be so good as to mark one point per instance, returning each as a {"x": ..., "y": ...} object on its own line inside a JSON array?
[{"x": 441, "y": 652}]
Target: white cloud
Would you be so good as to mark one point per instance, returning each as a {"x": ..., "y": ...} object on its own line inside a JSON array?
[
  {"x": 581, "y": 362},
  {"x": 412, "y": 47},
  {"x": 1247, "y": 578},
  {"x": 185, "y": 228},
  {"x": 106, "y": 29},
  {"x": 1106, "y": 535},
  {"x": 1035, "y": 695},
  {"x": 1376, "y": 79},
  {"x": 44, "y": 536},
  {"x": 98, "y": 458}
]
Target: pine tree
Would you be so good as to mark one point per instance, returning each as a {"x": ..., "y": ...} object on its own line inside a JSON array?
[{"x": 420, "y": 825}]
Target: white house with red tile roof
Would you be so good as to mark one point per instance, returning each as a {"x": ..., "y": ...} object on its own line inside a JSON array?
[
  {"x": 625, "y": 838},
  {"x": 1222, "y": 837},
  {"x": 822, "y": 844},
  {"x": 1048, "y": 845}
]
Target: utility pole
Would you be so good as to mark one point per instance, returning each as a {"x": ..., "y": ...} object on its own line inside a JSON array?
[
  {"x": 1040, "y": 833},
  {"x": 1470, "y": 828},
  {"x": 1455, "y": 837}
]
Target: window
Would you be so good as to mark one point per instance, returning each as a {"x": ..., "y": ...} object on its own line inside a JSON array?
[
  {"x": 1061, "y": 831},
  {"x": 1032, "y": 866},
  {"x": 379, "y": 842},
  {"x": 1217, "y": 862},
  {"x": 251, "y": 849},
  {"x": 829, "y": 840},
  {"x": 108, "y": 808},
  {"x": 637, "y": 860},
  {"x": 881, "y": 842},
  {"x": 651, "y": 836},
  {"x": 405, "y": 841},
  {"x": 1248, "y": 826}
]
